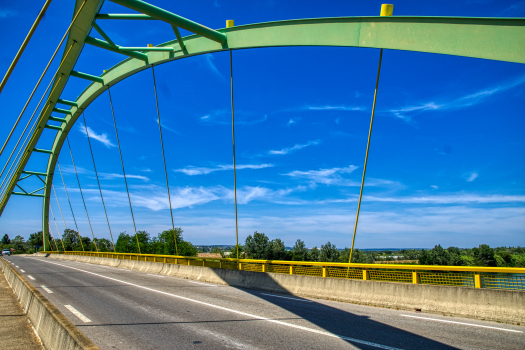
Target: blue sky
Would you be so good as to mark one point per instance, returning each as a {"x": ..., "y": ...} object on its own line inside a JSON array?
[{"x": 446, "y": 160}]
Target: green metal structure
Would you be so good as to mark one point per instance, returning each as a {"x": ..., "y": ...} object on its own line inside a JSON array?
[{"x": 500, "y": 39}]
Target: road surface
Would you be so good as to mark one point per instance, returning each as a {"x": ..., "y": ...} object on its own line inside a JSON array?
[{"x": 123, "y": 309}]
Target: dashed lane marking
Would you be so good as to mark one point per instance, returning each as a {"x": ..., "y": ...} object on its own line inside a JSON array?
[
  {"x": 47, "y": 289},
  {"x": 78, "y": 314},
  {"x": 279, "y": 296},
  {"x": 31, "y": 277},
  {"x": 22, "y": 271},
  {"x": 465, "y": 324}
]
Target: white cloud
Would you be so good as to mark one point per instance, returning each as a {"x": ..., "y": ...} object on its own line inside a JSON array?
[
  {"x": 461, "y": 198},
  {"x": 434, "y": 187},
  {"x": 111, "y": 176},
  {"x": 192, "y": 170},
  {"x": 472, "y": 176},
  {"x": 324, "y": 176},
  {"x": 4, "y": 13},
  {"x": 99, "y": 137},
  {"x": 291, "y": 121},
  {"x": 294, "y": 148},
  {"x": 209, "y": 58},
  {"x": 335, "y": 108},
  {"x": 166, "y": 127},
  {"x": 407, "y": 112}
]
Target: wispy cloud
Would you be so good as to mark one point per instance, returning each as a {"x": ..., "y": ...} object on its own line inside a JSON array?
[
  {"x": 208, "y": 59},
  {"x": 472, "y": 176},
  {"x": 223, "y": 117},
  {"x": 192, "y": 170},
  {"x": 324, "y": 176},
  {"x": 334, "y": 108},
  {"x": 103, "y": 138},
  {"x": 294, "y": 148},
  {"x": 111, "y": 176},
  {"x": 166, "y": 127},
  {"x": 407, "y": 112},
  {"x": 4, "y": 13},
  {"x": 517, "y": 9},
  {"x": 292, "y": 121}
]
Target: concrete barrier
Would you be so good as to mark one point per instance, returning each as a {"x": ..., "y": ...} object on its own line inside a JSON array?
[
  {"x": 479, "y": 303},
  {"x": 54, "y": 329}
]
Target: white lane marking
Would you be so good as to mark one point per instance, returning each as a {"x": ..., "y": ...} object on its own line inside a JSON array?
[
  {"x": 156, "y": 275},
  {"x": 17, "y": 266},
  {"x": 466, "y": 324},
  {"x": 22, "y": 271},
  {"x": 31, "y": 277},
  {"x": 278, "y": 296},
  {"x": 311, "y": 330},
  {"x": 47, "y": 289},
  {"x": 77, "y": 314},
  {"x": 204, "y": 284}
]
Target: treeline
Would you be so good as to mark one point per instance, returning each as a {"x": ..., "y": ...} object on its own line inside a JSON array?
[
  {"x": 484, "y": 255},
  {"x": 164, "y": 243}
]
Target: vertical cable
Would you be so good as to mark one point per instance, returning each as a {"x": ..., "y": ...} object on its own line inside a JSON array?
[
  {"x": 366, "y": 156},
  {"x": 98, "y": 181},
  {"x": 59, "y": 208},
  {"x": 61, "y": 239},
  {"x": 234, "y": 169},
  {"x": 123, "y": 171},
  {"x": 81, "y": 194},
  {"x": 70, "y": 206},
  {"x": 52, "y": 236},
  {"x": 164, "y": 160}
]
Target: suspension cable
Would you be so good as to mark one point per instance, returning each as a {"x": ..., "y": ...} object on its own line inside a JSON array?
[
  {"x": 52, "y": 236},
  {"x": 59, "y": 208},
  {"x": 61, "y": 239},
  {"x": 98, "y": 182},
  {"x": 24, "y": 44},
  {"x": 164, "y": 160},
  {"x": 366, "y": 156},
  {"x": 123, "y": 171},
  {"x": 72, "y": 213},
  {"x": 234, "y": 169},
  {"x": 81, "y": 194},
  {"x": 42, "y": 76}
]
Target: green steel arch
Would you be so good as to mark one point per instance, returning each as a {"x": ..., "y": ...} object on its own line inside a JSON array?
[{"x": 500, "y": 39}]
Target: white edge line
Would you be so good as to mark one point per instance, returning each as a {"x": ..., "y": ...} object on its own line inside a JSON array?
[
  {"x": 46, "y": 289},
  {"x": 364, "y": 342},
  {"x": 78, "y": 314},
  {"x": 278, "y": 296},
  {"x": 205, "y": 284},
  {"x": 466, "y": 324},
  {"x": 151, "y": 274}
]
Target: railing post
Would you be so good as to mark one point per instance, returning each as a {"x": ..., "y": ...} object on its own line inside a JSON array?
[
  {"x": 240, "y": 266},
  {"x": 220, "y": 264},
  {"x": 366, "y": 275},
  {"x": 325, "y": 272},
  {"x": 188, "y": 262},
  {"x": 203, "y": 262},
  {"x": 264, "y": 268},
  {"x": 477, "y": 281},
  {"x": 415, "y": 277},
  {"x": 291, "y": 270},
  {"x": 165, "y": 260}
]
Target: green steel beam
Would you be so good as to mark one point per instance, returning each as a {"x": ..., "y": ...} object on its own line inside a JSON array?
[
  {"x": 40, "y": 150},
  {"x": 54, "y": 127},
  {"x": 67, "y": 103},
  {"x": 40, "y": 189},
  {"x": 171, "y": 18},
  {"x": 123, "y": 16},
  {"x": 121, "y": 48},
  {"x": 105, "y": 45},
  {"x": 104, "y": 35},
  {"x": 87, "y": 76},
  {"x": 30, "y": 195},
  {"x": 57, "y": 119},
  {"x": 34, "y": 173},
  {"x": 23, "y": 178},
  {"x": 62, "y": 110},
  {"x": 178, "y": 36}
]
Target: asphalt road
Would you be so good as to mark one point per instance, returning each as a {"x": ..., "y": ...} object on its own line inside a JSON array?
[{"x": 122, "y": 309}]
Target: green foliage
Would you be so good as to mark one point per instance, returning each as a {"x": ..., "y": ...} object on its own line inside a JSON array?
[
  {"x": 163, "y": 244},
  {"x": 256, "y": 247},
  {"x": 313, "y": 255},
  {"x": 300, "y": 252},
  {"x": 276, "y": 250},
  {"x": 5, "y": 239},
  {"x": 329, "y": 253}
]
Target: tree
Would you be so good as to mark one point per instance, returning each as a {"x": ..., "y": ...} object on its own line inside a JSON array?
[
  {"x": 35, "y": 239},
  {"x": 166, "y": 243},
  {"x": 104, "y": 245},
  {"x": 299, "y": 252},
  {"x": 361, "y": 257},
  {"x": 454, "y": 256},
  {"x": 125, "y": 244},
  {"x": 276, "y": 250},
  {"x": 313, "y": 255},
  {"x": 71, "y": 240},
  {"x": 484, "y": 256},
  {"x": 329, "y": 253},
  {"x": 257, "y": 246},
  {"x": 18, "y": 243},
  {"x": 5, "y": 239}
]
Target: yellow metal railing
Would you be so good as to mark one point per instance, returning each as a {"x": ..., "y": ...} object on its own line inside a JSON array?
[{"x": 508, "y": 278}]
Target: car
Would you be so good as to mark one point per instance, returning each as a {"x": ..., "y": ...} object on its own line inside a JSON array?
[{"x": 6, "y": 252}]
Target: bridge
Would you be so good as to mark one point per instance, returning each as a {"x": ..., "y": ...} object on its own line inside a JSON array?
[{"x": 212, "y": 301}]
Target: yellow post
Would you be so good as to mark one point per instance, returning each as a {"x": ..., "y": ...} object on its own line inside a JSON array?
[
  {"x": 151, "y": 45},
  {"x": 325, "y": 272},
  {"x": 366, "y": 275},
  {"x": 291, "y": 270},
  {"x": 387, "y": 9},
  {"x": 240, "y": 266},
  {"x": 188, "y": 262},
  {"x": 229, "y": 23},
  {"x": 164, "y": 260},
  {"x": 477, "y": 281},
  {"x": 264, "y": 268},
  {"x": 415, "y": 277}
]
